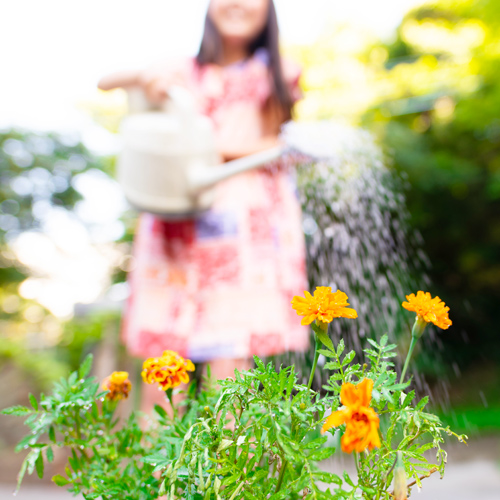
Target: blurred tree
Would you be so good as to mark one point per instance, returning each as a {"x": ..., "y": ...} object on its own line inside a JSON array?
[
  {"x": 439, "y": 119},
  {"x": 36, "y": 174}
]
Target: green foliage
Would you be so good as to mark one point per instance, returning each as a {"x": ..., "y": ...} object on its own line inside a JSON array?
[
  {"x": 41, "y": 369},
  {"x": 442, "y": 129},
  {"x": 255, "y": 437}
]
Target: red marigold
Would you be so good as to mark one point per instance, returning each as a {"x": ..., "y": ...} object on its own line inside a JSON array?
[
  {"x": 169, "y": 370},
  {"x": 118, "y": 386}
]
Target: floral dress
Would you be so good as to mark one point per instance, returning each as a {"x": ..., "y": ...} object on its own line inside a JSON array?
[{"x": 220, "y": 285}]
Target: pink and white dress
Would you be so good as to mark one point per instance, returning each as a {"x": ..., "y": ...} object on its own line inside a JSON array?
[{"x": 220, "y": 285}]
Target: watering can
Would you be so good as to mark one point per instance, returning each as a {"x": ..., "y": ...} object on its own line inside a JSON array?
[{"x": 169, "y": 164}]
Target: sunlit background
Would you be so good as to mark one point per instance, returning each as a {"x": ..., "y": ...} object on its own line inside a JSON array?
[
  {"x": 424, "y": 78},
  {"x": 59, "y": 51}
]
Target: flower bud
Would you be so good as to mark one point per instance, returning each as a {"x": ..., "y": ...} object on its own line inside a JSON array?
[
  {"x": 400, "y": 488},
  {"x": 418, "y": 327}
]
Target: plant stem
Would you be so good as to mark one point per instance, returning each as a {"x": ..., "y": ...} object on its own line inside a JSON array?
[
  {"x": 416, "y": 332},
  {"x": 282, "y": 474},
  {"x": 408, "y": 357},
  {"x": 315, "y": 362},
  {"x": 169, "y": 394},
  {"x": 356, "y": 461},
  {"x": 311, "y": 378}
]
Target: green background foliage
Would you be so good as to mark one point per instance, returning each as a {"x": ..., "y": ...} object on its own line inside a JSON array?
[{"x": 441, "y": 127}]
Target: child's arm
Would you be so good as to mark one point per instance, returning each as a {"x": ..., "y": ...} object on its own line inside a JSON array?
[
  {"x": 120, "y": 79},
  {"x": 232, "y": 153},
  {"x": 154, "y": 80}
]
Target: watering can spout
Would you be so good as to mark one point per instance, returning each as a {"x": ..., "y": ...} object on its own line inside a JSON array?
[{"x": 202, "y": 177}]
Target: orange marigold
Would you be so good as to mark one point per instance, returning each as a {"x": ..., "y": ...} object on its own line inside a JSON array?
[
  {"x": 118, "y": 386},
  {"x": 361, "y": 421},
  {"x": 322, "y": 306},
  {"x": 431, "y": 310},
  {"x": 169, "y": 370}
]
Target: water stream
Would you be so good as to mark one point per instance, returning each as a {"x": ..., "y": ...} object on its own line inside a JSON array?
[{"x": 358, "y": 235}]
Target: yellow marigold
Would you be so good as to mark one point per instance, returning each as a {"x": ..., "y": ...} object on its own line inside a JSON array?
[
  {"x": 322, "y": 306},
  {"x": 361, "y": 421},
  {"x": 431, "y": 310},
  {"x": 169, "y": 370},
  {"x": 118, "y": 386}
]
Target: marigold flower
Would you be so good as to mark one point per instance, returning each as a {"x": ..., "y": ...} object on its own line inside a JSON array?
[
  {"x": 169, "y": 370},
  {"x": 430, "y": 310},
  {"x": 361, "y": 421},
  {"x": 118, "y": 386},
  {"x": 323, "y": 306}
]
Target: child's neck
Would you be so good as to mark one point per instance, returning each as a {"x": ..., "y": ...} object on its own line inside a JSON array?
[{"x": 233, "y": 53}]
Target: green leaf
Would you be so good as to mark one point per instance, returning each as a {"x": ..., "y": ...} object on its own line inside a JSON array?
[
  {"x": 33, "y": 402},
  {"x": 368, "y": 490},
  {"x": 340, "y": 348},
  {"x": 39, "y": 465},
  {"x": 72, "y": 378},
  {"x": 347, "y": 479},
  {"x": 321, "y": 454},
  {"x": 327, "y": 477},
  {"x": 316, "y": 443},
  {"x": 348, "y": 358},
  {"x": 60, "y": 480},
  {"x": 50, "y": 455},
  {"x": 17, "y": 411},
  {"x": 85, "y": 367},
  {"x": 161, "y": 411},
  {"x": 332, "y": 365},
  {"x": 408, "y": 399},
  {"x": 162, "y": 489},
  {"x": 422, "y": 403},
  {"x": 52, "y": 434},
  {"x": 327, "y": 354},
  {"x": 430, "y": 417},
  {"x": 324, "y": 339},
  {"x": 259, "y": 363},
  {"x": 291, "y": 381},
  {"x": 22, "y": 472},
  {"x": 224, "y": 444}
]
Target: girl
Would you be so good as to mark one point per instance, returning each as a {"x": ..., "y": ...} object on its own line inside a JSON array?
[{"x": 218, "y": 288}]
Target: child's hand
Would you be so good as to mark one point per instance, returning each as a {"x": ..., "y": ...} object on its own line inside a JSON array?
[
  {"x": 154, "y": 81},
  {"x": 157, "y": 79}
]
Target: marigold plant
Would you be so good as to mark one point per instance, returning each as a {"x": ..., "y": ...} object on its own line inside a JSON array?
[
  {"x": 118, "y": 386},
  {"x": 254, "y": 437},
  {"x": 168, "y": 371}
]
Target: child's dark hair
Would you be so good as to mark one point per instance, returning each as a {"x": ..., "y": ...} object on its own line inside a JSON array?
[{"x": 211, "y": 51}]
